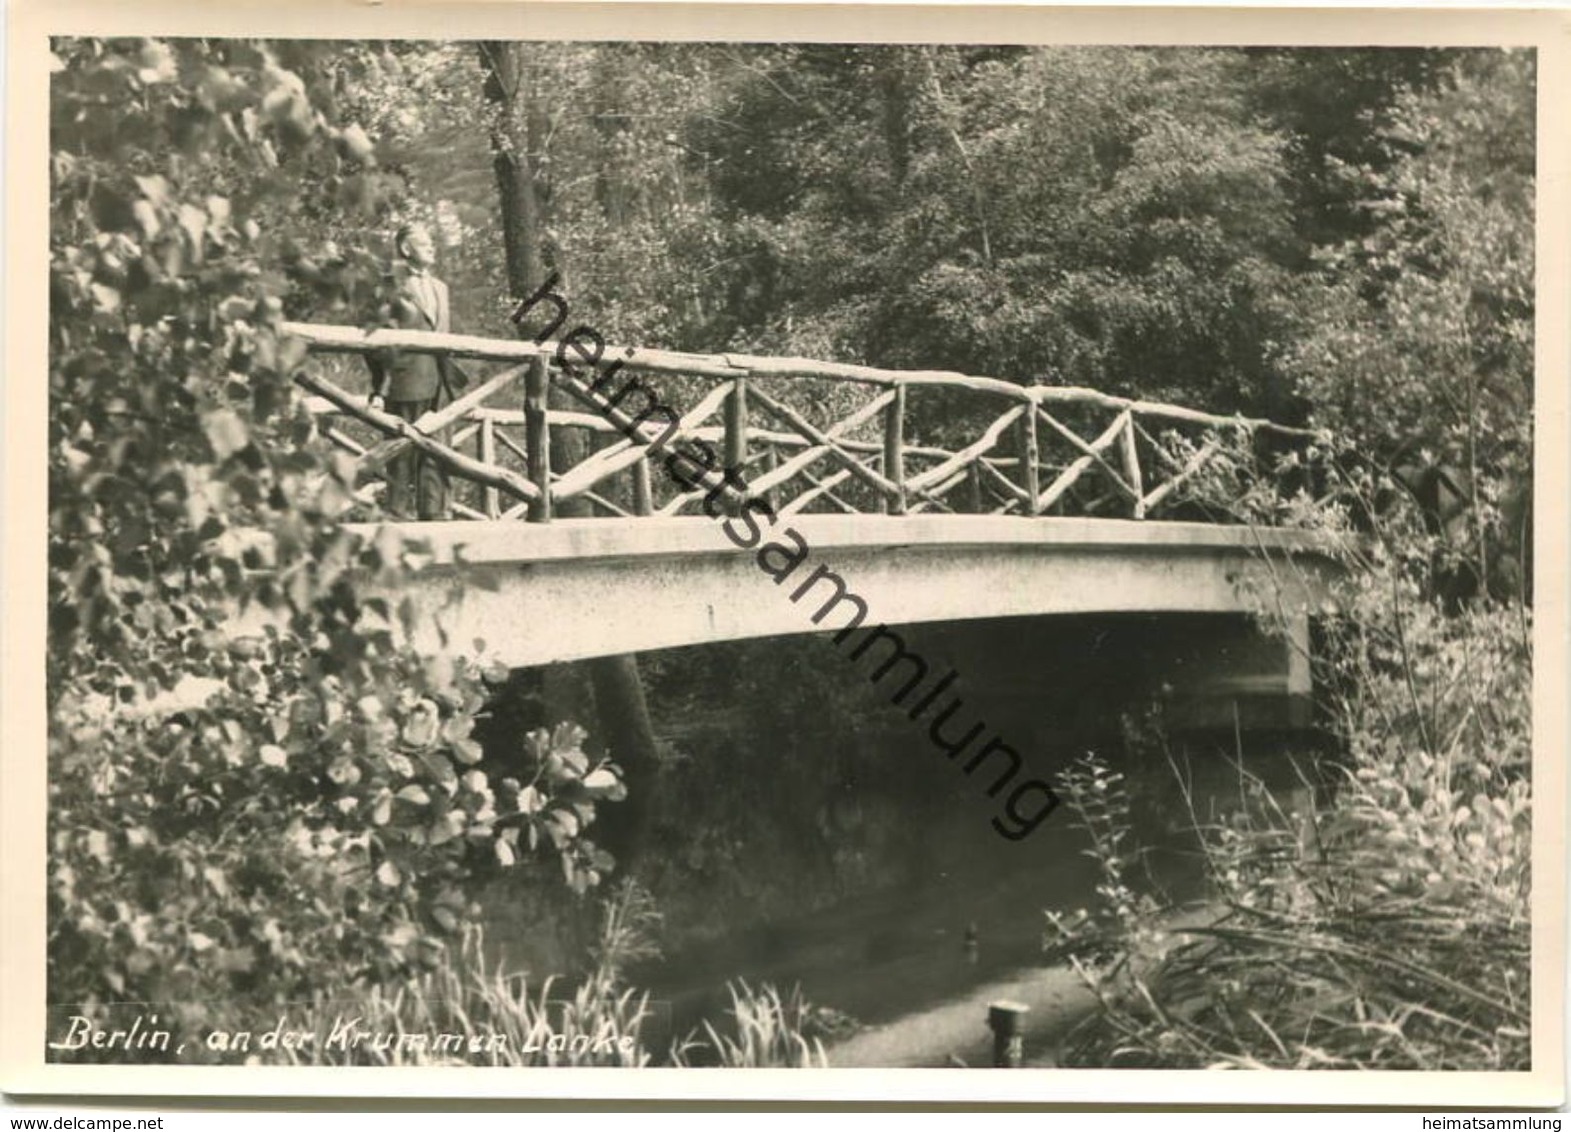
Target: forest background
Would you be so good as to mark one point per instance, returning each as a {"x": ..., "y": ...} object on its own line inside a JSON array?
[{"x": 1342, "y": 238}]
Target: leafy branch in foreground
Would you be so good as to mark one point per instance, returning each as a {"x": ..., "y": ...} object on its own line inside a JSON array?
[{"x": 238, "y": 815}]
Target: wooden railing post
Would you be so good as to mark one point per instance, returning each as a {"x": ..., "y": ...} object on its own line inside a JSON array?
[
  {"x": 537, "y": 438},
  {"x": 894, "y": 451},
  {"x": 1030, "y": 457},
  {"x": 487, "y": 453},
  {"x": 1132, "y": 465},
  {"x": 643, "y": 490},
  {"x": 736, "y": 432},
  {"x": 771, "y": 462}
]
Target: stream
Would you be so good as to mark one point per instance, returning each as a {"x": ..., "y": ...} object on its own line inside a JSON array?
[{"x": 905, "y": 949}]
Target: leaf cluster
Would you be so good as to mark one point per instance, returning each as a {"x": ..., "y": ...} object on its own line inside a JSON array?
[{"x": 257, "y": 787}]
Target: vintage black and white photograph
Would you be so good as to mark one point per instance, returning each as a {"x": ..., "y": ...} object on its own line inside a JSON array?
[{"x": 695, "y": 553}]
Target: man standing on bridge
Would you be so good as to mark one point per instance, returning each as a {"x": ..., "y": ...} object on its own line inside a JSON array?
[{"x": 409, "y": 385}]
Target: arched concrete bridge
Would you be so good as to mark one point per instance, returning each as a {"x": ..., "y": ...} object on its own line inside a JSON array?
[{"x": 686, "y": 531}]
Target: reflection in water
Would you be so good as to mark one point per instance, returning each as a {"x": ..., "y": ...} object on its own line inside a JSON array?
[
  {"x": 880, "y": 956},
  {"x": 910, "y": 946}
]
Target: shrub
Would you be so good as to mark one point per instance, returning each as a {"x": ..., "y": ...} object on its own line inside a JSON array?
[
  {"x": 238, "y": 814},
  {"x": 1384, "y": 925}
]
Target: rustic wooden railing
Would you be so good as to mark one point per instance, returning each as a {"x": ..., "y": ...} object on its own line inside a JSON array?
[{"x": 1052, "y": 450}]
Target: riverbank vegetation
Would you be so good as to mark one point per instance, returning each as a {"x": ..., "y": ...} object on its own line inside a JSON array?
[
  {"x": 1333, "y": 238},
  {"x": 1379, "y": 919}
]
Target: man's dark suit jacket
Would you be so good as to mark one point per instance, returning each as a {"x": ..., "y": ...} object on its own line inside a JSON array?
[{"x": 421, "y": 304}]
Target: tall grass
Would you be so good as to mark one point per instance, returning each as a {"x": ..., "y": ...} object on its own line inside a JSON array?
[
  {"x": 766, "y": 1030},
  {"x": 468, "y": 1010},
  {"x": 503, "y": 1019},
  {"x": 1381, "y": 924}
]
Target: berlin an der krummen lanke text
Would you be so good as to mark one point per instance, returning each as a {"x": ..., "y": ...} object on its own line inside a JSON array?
[{"x": 745, "y": 518}]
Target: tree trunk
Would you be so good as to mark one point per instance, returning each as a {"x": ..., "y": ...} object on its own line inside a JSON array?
[
  {"x": 895, "y": 103},
  {"x": 619, "y": 705},
  {"x": 512, "y": 158},
  {"x": 623, "y": 715},
  {"x": 610, "y": 126}
]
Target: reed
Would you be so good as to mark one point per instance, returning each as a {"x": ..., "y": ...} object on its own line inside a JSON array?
[
  {"x": 1379, "y": 922},
  {"x": 767, "y": 1030}
]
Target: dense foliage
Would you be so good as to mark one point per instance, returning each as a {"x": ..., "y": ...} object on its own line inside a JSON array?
[
  {"x": 1343, "y": 238},
  {"x": 239, "y": 816},
  {"x": 1381, "y": 921},
  {"x": 1417, "y": 339}
]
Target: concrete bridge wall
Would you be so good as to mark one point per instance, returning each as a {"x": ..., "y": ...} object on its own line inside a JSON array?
[{"x": 537, "y": 594}]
